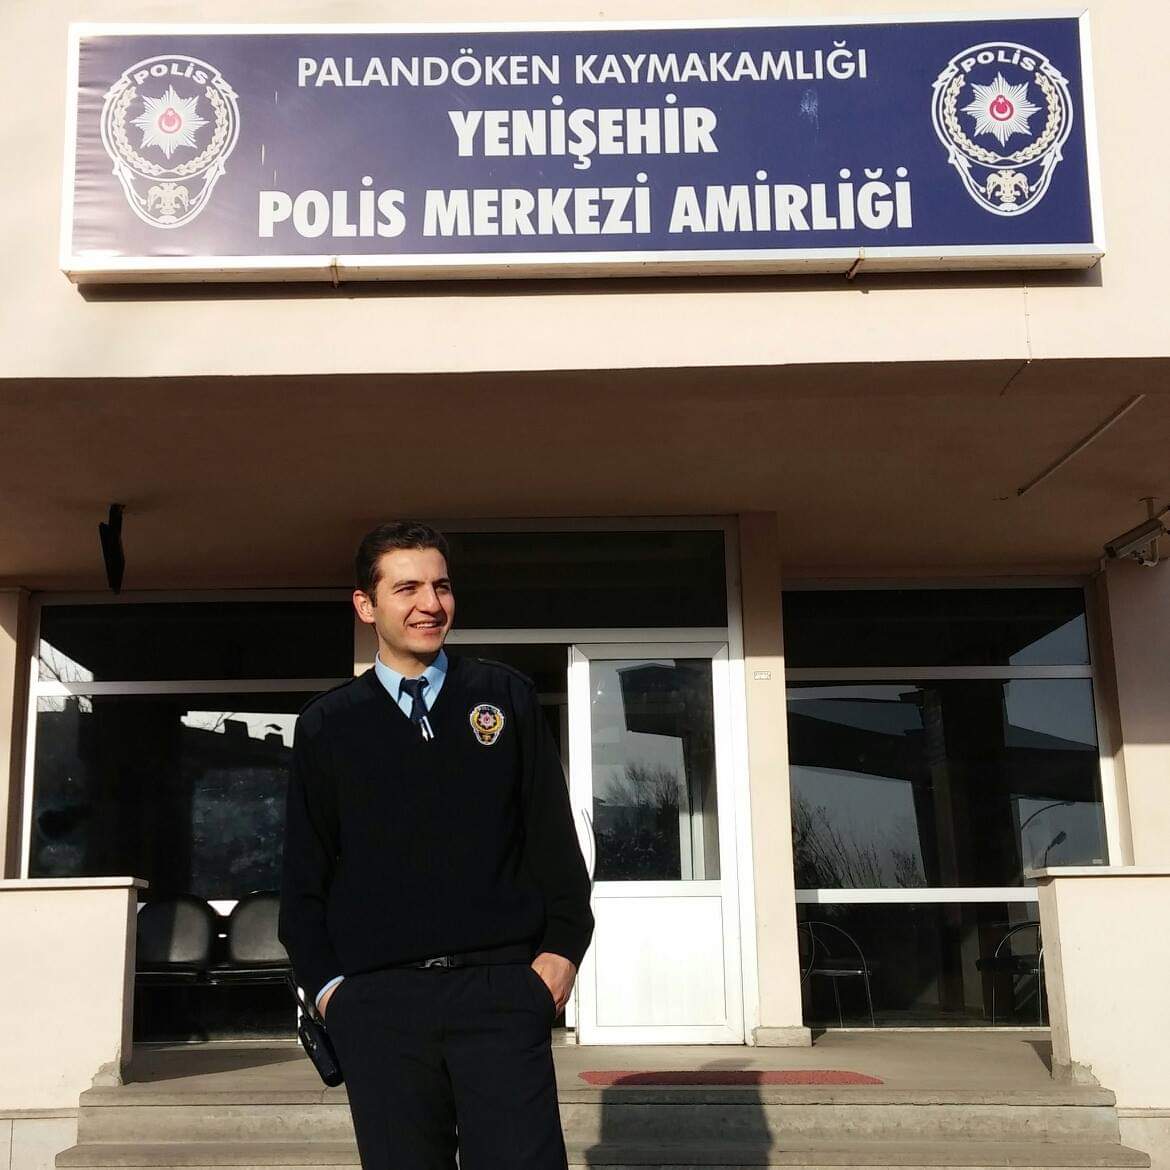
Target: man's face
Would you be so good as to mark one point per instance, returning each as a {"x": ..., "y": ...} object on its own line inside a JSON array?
[{"x": 412, "y": 607}]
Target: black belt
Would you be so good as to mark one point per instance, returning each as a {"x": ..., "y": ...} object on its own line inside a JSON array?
[{"x": 513, "y": 953}]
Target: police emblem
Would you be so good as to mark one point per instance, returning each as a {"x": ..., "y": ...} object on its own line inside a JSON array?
[
  {"x": 1004, "y": 113},
  {"x": 487, "y": 722},
  {"x": 169, "y": 124}
]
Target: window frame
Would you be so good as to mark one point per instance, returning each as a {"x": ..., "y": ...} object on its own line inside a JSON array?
[
  {"x": 910, "y": 674},
  {"x": 53, "y": 689}
]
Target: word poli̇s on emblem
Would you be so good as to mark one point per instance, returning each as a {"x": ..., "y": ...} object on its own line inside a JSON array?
[
  {"x": 169, "y": 123},
  {"x": 487, "y": 722},
  {"x": 1004, "y": 113}
]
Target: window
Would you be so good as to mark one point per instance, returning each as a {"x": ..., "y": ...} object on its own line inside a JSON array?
[
  {"x": 941, "y": 744},
  {"x": 184, "y": 790},
  {"x": 603, "y": 580},
  {"x": 163, "y": 733},
  {"x": 196, "y": 640},
  {"x": 935, "y": 627},
  {"x": 944, "y": 783},
  {"x": 958, "y": 964},
  {"x": 162, "y": 736}
]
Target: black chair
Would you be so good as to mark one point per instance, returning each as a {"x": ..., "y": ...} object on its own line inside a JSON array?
[
  {"x": 254, "y": 954},
  {"x": 1010, "y": 964},
  {"x": 806, "y": 950},
  {"x": 820, "y": 958},
  {"x": 175, "y": 941}
]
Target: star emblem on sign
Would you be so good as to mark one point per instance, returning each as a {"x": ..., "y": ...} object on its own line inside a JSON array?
[
  {"x": 169, "y": 122},
  {"x": 1001, "y": 109}
]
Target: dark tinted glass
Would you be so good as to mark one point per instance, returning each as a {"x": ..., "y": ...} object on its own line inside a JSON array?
[
  {"x": 957, "y": 783},
  {"x": 935, "y": 627},
  {"x": 262, "y": 1011},
  {"x": 213, "y": 640},
  {"x": 961, "y": 964},
  {"x": 545, "y": 663},
  {"x": 551, "y": 580},
  {"x": 186, "y": 791}
]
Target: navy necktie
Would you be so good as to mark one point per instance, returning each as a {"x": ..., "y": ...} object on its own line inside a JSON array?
[{"x": 414, "y": 687}]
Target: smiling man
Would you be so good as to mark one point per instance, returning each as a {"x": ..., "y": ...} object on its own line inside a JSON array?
[{"x": 434, "y": 898}]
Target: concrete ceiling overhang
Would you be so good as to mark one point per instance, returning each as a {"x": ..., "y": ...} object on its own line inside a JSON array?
[{"x": 872, "y": 469}]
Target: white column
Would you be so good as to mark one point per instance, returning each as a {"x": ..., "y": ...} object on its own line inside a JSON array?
[
  {"x": 1137, "y": 607},
  {"x": 780, "y": 1013},
  {"x": 14, "y": 650}
]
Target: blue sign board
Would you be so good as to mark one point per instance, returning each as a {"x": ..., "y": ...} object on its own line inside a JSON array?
[{"x": 330, "y": 152}]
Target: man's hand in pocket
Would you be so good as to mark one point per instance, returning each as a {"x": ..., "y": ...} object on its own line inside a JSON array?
[
  {"x": 558, "y": 974},
  {"x": 326, "y": 998}
]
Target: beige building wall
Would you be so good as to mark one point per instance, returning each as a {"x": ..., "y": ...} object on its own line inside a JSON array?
[
  {"x": 73, "y": 979},
  {"x": 1138, "y": 610},
  {"x": 48, "y": 329},
  {"x": 1106, "y": 954}
]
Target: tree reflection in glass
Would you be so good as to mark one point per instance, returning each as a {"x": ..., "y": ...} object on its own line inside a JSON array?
[{"x": 653, "y": 746}]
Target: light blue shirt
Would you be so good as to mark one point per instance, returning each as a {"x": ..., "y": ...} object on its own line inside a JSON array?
[{"x": 436, "y": 675}]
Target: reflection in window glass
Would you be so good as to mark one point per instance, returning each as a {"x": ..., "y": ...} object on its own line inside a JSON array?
[
  {"x": 855, "y": 827},
  {"x": 958, "y": 964},
  {"x": 653, "y": 748},
  {"x": 559, "y": 580},
  {"x": 186, "y": 791},
  {"x": 942, "y": 783},
  {"x": 935, "y": 627},
  {"x": 203, "y": 640}
]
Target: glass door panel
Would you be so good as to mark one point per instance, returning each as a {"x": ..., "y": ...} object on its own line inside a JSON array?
[
  {"x": 650, "y": 782},
  {"x": 652, "y": 734}
]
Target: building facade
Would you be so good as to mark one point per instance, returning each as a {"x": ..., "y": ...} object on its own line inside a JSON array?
[{"x": 809, "y": 566}]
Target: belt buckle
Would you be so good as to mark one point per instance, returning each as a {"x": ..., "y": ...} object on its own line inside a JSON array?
[{"x": 439, "y": 961}]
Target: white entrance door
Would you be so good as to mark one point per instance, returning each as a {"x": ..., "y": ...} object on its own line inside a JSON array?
[{"x": 649, "y": 776}]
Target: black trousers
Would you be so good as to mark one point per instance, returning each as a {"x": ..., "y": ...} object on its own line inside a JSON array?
[{"x": 434, "y": 1059}]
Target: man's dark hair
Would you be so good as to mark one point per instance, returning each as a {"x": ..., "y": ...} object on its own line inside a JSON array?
[{"x": 396, "y": 534}]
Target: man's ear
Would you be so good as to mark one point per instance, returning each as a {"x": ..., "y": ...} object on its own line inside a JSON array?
[{"x": 363, "y": 606}]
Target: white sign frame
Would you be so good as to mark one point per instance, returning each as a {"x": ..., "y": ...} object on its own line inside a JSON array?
[{"x": 334, "y": 269}]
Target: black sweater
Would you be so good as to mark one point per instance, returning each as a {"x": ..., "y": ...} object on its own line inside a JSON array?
[{"x": 397, "y": 848}]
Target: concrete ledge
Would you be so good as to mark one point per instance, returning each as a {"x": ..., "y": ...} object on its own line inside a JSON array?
[
  {"x": 795, "y": 1037},
  {"x": 613, "y": 1155},
  {"x": 1098, "y": 871},
  {"x": 136, "y": 1094},
  {"x": 25, "y": 1114},
  {"x": 77, "y": 883}
]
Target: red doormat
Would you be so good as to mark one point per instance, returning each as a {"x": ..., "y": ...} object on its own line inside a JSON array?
[{"x": 731, "y": 1076}]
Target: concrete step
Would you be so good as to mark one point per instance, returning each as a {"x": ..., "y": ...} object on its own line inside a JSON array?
[
  {"x": 863, "y": 1156},
  {"x": 754, "y": 1120},
  {"x": 961, "y": 1155},
  {"x": 590, "y": 1115}
]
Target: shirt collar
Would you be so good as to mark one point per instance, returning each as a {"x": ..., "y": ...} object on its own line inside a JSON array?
[{"x": 392, "y": 680}]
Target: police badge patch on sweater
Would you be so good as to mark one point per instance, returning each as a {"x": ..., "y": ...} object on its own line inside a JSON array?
[{"x": 487, "y": 722}]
